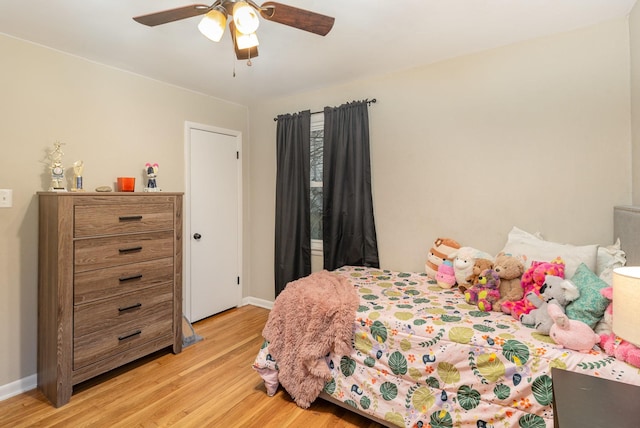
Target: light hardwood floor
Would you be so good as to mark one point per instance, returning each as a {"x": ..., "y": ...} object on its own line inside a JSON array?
[{"x": 210, "y": 384}]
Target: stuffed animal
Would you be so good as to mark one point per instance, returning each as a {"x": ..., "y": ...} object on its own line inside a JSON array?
[
  {"x": 620, "y": 348},
  {"x": 441, "y": 250},
  {"x": 485, "y": 292},
  {"x": 531, "y": 281},
  {"x": 570, "y": 334},
  {"x": 479, "y": 266},
  {"x": 463, "y": 261},
  {"x": 510, "y": 269},
  {"x": 612, "y": 344},
  {"x": 605, "y": 325},
  {"x": 445, "y": 277},
  {"x": 554, "y": 291}
]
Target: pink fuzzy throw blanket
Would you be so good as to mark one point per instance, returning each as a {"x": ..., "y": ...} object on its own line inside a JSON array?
[{"x": 310, "y": 318}]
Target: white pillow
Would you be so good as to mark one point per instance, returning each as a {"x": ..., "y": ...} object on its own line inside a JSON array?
[
  {"x": 534, "y": 248},
  {"x": 609, "y": 258}
]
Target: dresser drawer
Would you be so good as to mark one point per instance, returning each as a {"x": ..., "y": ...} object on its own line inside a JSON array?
[
  {"x": 105, "y": 328},
  {"x": 102, "y": 315},
  {"x": 96, "y": 220},
  {"x": 100, "y": 253},
  {"x": 103, "y": 283}
]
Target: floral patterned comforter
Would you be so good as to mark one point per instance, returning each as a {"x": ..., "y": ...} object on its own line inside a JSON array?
[{"x": 424, "y": 357}]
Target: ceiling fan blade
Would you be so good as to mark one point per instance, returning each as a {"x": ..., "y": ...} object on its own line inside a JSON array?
[
  {"x": 171, "y": 15},
  {"x": 297, "y": 18}
]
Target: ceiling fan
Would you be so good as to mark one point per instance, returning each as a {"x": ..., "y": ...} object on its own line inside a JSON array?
[{"x": 243, "y": 21}]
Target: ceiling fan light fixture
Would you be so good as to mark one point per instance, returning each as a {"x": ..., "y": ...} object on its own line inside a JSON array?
[
  {"x": 245, "y": 17},
  {"x": 242, "y": 18},
  {"x": 246, "y": 41},
  {"x": 213, "y": 24}
]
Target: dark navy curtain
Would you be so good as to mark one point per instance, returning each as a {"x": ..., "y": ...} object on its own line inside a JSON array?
[
  {"x": 293, "y": 224},
  {"x": 349, "y": 231}
]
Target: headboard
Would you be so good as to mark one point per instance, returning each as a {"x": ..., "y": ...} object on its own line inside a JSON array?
[{"x": 626, "y": 226}]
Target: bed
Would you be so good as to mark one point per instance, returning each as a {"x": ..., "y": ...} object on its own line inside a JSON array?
[{"x": 421, "y": 356}]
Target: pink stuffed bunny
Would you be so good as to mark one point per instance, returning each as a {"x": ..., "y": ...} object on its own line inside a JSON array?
[{"x": 571, "y": 334}]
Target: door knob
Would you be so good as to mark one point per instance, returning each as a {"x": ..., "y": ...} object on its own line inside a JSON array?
[{"x": 197, "y": 236}]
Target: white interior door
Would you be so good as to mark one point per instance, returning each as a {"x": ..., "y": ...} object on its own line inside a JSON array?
[{"x": 213, "y": 219}]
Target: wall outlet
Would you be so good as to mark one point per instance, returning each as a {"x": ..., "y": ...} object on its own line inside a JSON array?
[{"x": 6, "y": 198}]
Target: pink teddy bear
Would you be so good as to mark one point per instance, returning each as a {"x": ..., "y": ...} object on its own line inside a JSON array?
[
  {"x": 532, "y": 281},
  {"x": 612, "y": 344}
]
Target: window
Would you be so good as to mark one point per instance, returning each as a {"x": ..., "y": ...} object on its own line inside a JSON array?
[{"x": 317, "y": 139}]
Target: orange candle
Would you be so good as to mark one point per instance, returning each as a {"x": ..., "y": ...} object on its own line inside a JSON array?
[{"x": 126, "y": 184}]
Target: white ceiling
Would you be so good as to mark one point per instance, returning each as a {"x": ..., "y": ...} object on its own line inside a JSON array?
[{"x": 369, "y": 37}]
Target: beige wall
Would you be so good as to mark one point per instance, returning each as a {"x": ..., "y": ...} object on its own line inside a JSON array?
[
  {"x": 114, "y": 121},
  {"x": 535, "y": 135},
  {"x": 634, "y": 36}
]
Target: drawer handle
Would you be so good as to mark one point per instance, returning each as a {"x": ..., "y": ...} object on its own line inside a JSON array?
[
  {"x": 129, "y": 278},
  {"x": 127, "y": 336},
  {"x": 129, "y": 250},
  {"x": 130, "y": 217},
  {"x": 128, "y": 308}
]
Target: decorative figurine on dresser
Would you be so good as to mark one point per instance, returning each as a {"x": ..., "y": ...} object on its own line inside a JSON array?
[
  {"x": 152, "y": 172},
  {"x": 78, "y": 167},
  {"x": 109, "y": 283},
  {"x": 57, "y": 170}
]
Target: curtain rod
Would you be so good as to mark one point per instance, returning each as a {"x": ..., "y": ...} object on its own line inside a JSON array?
[{"x": 369, "y": 102}]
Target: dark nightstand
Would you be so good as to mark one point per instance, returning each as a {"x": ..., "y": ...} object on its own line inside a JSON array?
[{"x": 587, "y": 401}]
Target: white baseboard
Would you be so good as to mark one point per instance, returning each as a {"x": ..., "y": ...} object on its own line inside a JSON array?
[
  {"x": 18, "y": 387},
  {"x": 261, "y": 303}
]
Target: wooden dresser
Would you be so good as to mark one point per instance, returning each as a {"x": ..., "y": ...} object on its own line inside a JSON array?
[{"x": 109, "y": 283}]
